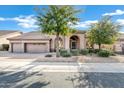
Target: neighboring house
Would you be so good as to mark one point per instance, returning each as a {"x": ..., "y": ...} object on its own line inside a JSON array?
[
  {"x": 119, "y": 43},
  {"x": 35, "y": 42},
  {"x": 4, "y": 34}
]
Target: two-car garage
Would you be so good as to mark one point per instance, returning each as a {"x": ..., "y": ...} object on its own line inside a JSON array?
[
  {"x": 32, "y": 42},
  {"x": 29, "y": 47}
]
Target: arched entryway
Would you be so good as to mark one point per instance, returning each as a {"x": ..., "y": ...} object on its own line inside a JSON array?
[
  {"x": 74, "y": 42},
  {"x": 60, "y": 43}
]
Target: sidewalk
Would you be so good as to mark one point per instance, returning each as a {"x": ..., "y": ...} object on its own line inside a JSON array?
[{"x": 62, "y": 67}]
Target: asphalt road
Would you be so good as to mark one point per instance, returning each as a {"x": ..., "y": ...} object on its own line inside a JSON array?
[{"x": 24, "y": 79}]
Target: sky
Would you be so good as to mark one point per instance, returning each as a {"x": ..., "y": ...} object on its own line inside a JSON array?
[{"x": 22, "y": 17}]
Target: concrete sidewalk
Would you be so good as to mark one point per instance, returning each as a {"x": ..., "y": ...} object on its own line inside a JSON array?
[{"x": 62, "y": 67}]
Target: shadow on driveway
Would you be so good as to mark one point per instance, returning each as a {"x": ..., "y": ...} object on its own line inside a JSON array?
[{"x": 21, "y": 79}]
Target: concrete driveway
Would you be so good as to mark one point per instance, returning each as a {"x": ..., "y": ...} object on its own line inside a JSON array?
[
  {"x": 60, "y": 75},
  {"x": 29, "y": 74}
]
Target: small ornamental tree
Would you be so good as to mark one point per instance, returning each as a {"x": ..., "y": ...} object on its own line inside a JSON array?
[{"x": 103, "y": 32}]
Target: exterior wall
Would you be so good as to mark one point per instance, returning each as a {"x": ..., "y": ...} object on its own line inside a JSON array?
[
  {"x": 65, "y": 39},
  {"x": 82, "y": 41},
  {"x": 3, "y": 39},
  {"x": 118, "y": 45}
]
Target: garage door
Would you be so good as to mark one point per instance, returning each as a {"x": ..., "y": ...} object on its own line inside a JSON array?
[
  {"x": 36, "y": 48},
  {"x": 17, "y": 47}
]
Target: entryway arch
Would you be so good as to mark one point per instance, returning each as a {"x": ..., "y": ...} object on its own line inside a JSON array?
[{"x": 74, "y": 42}]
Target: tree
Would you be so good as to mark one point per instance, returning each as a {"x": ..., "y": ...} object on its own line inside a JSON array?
[
  {"x": 104, "y": 32},
  {"x": 56, "y": 20},
  {"x": 90, "y": 37}
]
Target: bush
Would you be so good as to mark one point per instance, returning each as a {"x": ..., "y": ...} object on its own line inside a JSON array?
[
  {"x": 64, "y": 53},
  {"x": 84, "y": 51},
  {"x": 48, "y": 55},
  {"x": 75, "y": 52},
  {"x": 96, "y": 50},
  {"x": 112, "y": 54},
  {"x": 91, "y": 50},
  {"x": 104, "y": 53},
  {"x": 5, "y": 47}
]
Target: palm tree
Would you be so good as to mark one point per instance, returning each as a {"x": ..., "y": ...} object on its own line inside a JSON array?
[{"x": 57, "y": 20}]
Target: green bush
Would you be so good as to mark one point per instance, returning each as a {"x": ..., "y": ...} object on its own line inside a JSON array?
[
  {"x": 75, "y": 52},
  {"x": 96, "y": 50},
  {"x": 84, "y": 51},
  {"x": 5, "y": 47},
  {"x": 112, "y": 54},
  {"x": 91, "y": 50},
  {"x": 104, "y": 53},
  {"x": 64, "y": 53}
]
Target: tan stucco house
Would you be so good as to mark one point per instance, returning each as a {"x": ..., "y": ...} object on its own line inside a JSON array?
[
  {"x": 4, "y": 34},
  {"x": 35, "y": 42}
]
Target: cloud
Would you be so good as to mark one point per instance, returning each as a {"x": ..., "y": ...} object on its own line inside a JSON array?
[
  {"x": 117, "y": 12},
  {"x": 23, "y": 21},
  {"x": 85, "y": 24},
  {"x": 2, "y": 19},
  {"x": 120, "y": 21}
]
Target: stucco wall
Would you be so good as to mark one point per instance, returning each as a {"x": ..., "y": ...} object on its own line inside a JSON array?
[{"x": 3, "y": 39}]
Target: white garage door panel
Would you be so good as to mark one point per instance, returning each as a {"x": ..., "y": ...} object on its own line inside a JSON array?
[
  {"x": 17, "y": 47},
  {"x": 36, "y": 48}
]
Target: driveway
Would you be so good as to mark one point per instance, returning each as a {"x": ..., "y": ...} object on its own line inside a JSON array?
[
  {"x": 26, "y": 72},
  {"x": 24, "y": 79},
  {"x": 60, "y": 75}
]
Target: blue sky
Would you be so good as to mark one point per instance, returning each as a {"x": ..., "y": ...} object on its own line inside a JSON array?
[{"x": 22, "y": 17}]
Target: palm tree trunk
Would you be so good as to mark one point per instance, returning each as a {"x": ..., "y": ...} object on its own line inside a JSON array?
[{"x": 57, "y": 45}]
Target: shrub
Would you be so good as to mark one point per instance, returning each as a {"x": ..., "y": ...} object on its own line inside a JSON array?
[
  {"x": 75, "y": 52},
  {"x": 96, "y": 50},
  {"x": 84, "y": 51},
  {"x": 64, "y": 53},
  {"x": 91, "y": 50},
  {"x": 112, "y": 54},
  {"x": 104, "y": 53},
  {"x": 5, "y": 47},
  {"x": 48, "y": 55}
]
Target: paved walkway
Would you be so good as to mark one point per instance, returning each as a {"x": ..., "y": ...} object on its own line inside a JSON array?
[{"x": 61, "y": 67}]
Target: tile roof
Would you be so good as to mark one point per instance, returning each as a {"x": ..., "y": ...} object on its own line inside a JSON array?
[
  {"x": 5, "y": 32},
  {"x": 35, "y": 35},
  {"x": 31, "y": 36}
]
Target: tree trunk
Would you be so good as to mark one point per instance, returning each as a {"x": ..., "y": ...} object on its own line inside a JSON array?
[
  {"x": 92, "y": 46},
  {"x": 57, "y": 46},
  {"x": 99, "y": 46}
]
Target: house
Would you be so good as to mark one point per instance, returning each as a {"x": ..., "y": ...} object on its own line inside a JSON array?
[
  {"x": 4, "y": 34},
  {"x": 37, "y": 42},
  {"x": 119, "y": 43}
]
